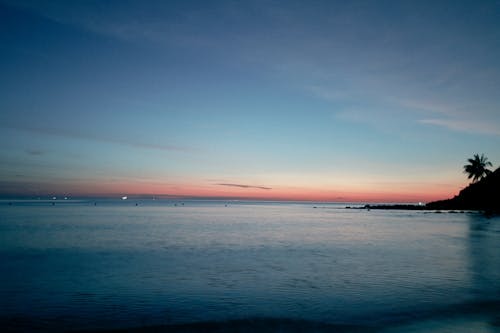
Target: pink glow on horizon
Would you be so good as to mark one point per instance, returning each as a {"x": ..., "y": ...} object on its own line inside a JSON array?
[{"x": 383, "y": 194}]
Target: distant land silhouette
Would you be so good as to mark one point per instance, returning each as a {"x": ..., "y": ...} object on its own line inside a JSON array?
[{"x": 482, "y": 195}]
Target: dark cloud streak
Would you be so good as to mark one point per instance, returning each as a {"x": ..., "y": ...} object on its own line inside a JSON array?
[
  {"x": 34, "y": 152},
  {"x": 244, "y": 186}
]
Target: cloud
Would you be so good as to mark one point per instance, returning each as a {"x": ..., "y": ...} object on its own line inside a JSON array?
[
  {"x": 426, "y": 106},
  {"x": 158, "y": 22},
  {"x": 464, "y": 125},
  {"x": 244, "y": 186},
  {"x": 34, "y": 152},
  {"x": 85, "y": 136}
]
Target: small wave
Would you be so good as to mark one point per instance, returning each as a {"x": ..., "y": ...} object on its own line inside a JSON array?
[
  {"x": 480, "y": 316},
  {"x": 469, "y": 314},
  {"x": 261, "y": 325}
]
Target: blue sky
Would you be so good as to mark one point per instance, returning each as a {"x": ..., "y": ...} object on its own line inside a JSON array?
[{"x": 321, "y": 100}]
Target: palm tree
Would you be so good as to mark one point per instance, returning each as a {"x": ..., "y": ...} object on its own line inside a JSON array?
[{"x": 476, "y": 169}]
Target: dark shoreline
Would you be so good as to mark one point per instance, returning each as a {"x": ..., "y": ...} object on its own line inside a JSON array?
[
  {"x": 482, "y": 196},
  {"x": 390, "y": 207},
  {"x": 435, "y": 209}
]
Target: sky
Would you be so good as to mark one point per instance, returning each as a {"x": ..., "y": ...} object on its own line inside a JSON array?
[{"x": 278, "y": 100}]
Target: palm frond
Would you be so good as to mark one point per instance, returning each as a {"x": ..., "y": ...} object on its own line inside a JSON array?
[{"x": 477, "y": 167}]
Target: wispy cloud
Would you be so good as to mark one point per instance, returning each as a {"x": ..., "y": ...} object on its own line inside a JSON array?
[
  {"x": 464, "y": 125},
  {"x": 34, "y": 152},
  {"x": 94, "y": 137},
  {"x": 245, "y": 186},
  {"x": 426, "y": 106},
  {"x": 129, "y": 22}
]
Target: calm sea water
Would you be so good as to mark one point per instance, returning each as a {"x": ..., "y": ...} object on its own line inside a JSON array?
[{"x": 77, "y": 265}]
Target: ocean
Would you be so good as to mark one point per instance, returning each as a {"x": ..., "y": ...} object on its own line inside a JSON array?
[{"x": 223, "y": 266}]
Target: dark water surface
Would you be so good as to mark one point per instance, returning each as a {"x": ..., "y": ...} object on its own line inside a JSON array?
[{"x": 205, "y": 266}]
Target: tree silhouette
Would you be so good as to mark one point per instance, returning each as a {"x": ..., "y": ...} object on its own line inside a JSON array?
[{"x": 476, "y": 169}]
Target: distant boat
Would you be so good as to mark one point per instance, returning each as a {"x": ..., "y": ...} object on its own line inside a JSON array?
[{"x": 124, "y": 198}]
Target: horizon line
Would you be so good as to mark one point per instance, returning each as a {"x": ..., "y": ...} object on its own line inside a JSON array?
[{"x": 131, "y": 197}]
